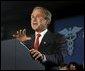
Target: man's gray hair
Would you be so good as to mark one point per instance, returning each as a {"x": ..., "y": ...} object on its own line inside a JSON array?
[{"x": 47, "y": 13}]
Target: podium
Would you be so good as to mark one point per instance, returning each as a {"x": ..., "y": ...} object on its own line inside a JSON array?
[{"x": 15, "y": 56}]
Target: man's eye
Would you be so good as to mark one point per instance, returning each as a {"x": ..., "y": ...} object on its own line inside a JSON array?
[{"x": 32, "y": 16}]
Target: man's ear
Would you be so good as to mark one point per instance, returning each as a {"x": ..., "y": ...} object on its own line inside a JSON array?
[{"x": 48, "y": 22}]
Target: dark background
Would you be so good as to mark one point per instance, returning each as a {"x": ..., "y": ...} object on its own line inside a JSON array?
[{"x": 15, "y": 15}]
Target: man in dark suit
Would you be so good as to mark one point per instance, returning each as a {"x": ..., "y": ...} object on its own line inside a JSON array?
[{"x": 44, "y": 46}]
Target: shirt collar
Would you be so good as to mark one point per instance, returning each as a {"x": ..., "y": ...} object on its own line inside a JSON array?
[{"x": 42, "y": 33}]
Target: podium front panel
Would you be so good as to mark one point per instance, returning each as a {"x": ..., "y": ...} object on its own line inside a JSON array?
[{"x": 15, "y": 56}]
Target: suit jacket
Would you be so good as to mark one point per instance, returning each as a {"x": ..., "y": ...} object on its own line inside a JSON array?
[{"x": 50, "y": 46}]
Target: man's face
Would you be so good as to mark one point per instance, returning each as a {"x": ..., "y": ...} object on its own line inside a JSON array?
[{"x": 38, "y": 21}]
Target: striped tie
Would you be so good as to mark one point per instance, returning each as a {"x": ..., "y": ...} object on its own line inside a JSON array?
[{"x": 36, "y": 44}]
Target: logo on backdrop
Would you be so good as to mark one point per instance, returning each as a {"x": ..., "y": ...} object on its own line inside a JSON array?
[{"x": 70, "y": 34}]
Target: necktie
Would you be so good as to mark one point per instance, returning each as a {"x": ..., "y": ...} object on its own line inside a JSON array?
[{"x": 36, "y": 44}]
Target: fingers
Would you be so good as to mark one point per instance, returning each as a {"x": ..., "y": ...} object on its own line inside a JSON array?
[
  {"x": 24, "y": 32},
  {"x": 35, "y": 54},
  {"x": 17, "y": 32},
  {"x": 38, "y": 56},
  {"x": 20, "y": 33},
  {"x": 33, "y": 51}
]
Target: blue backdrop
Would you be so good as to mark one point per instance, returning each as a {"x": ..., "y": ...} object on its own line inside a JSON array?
[{"x": 73, "y": 29}]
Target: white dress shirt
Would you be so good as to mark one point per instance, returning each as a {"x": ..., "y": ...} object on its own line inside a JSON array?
[{"x": 42, "y": 35}]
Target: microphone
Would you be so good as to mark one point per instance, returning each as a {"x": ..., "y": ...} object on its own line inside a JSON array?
[
  {"x": 24, "y": 46},
  {"x": 40, "y": 59}
]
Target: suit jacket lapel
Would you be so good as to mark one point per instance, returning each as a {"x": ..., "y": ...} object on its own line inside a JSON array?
[{"x": 45, "y": 42}]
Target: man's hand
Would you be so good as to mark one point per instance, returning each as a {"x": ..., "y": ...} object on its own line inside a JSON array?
[
  {"x": 21, "y": 35},
  {"x": 36, "y": 54}
]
